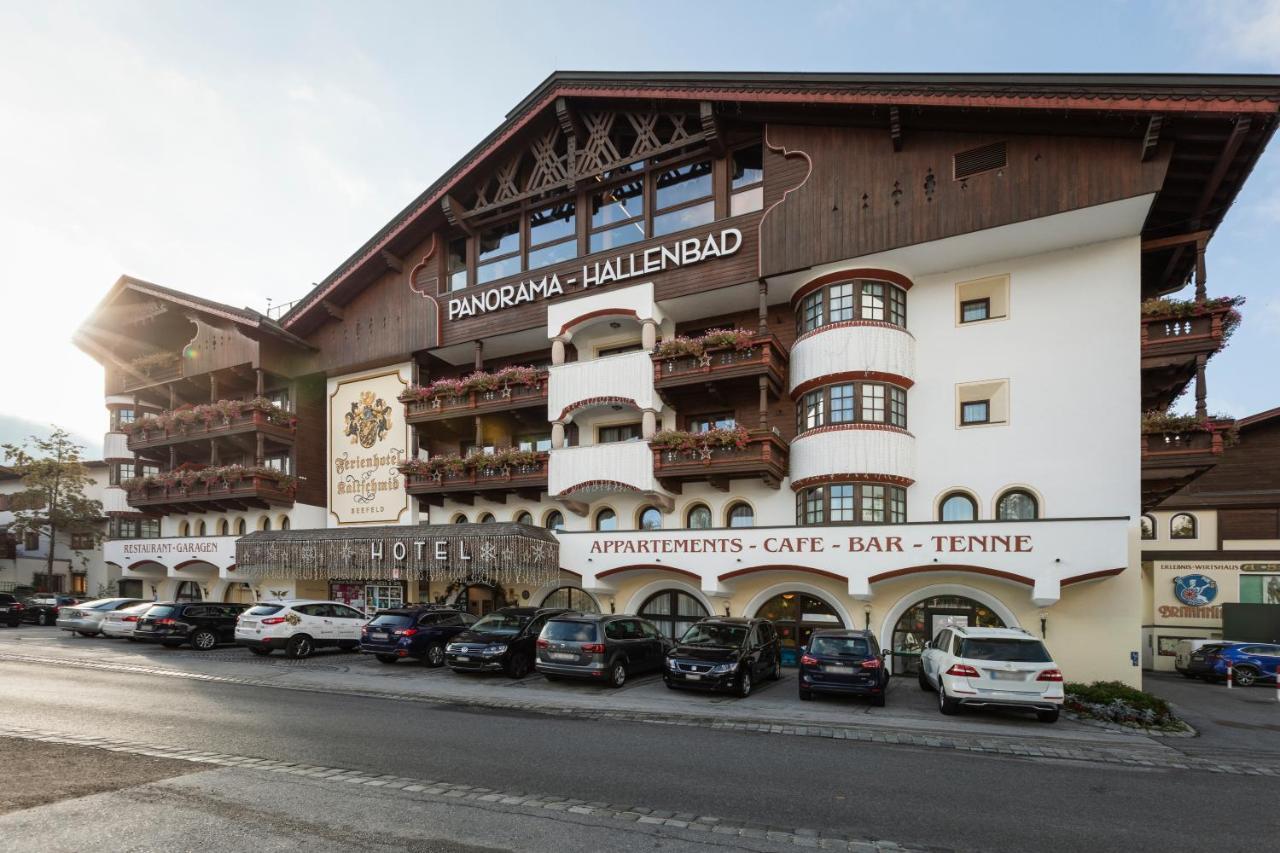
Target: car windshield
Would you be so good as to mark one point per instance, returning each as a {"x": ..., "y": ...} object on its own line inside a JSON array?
[
  {"x": 264, "y": 609},
  {"x": 711, "y": 634},
  {"x": 159, "y": 611},
  {"x": 573, "y": 632},
  {"x": 841, "y": 646},
  {"x": 501, "y": 623},
  {"x": 391, "y": 620},
  {"x": 1000, "y": 648}
]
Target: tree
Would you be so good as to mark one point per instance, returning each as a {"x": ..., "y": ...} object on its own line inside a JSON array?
[{"x": 52, "y": 500}]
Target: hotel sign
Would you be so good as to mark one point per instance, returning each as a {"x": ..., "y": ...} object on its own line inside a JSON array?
[
  {"x": 681, "y": 253},
  {"x": 367, "y": 440}
]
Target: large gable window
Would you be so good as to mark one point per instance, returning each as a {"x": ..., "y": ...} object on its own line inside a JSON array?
[
  {"x": 682, "y": 198},
  {"x": 553, "y": 235},
  {"x": 499, "y": 252}
]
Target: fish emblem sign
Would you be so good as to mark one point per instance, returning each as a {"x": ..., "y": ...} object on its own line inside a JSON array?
[{"x": 369, "y": 420}]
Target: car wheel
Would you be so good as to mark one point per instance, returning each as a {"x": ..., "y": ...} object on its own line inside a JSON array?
[
  {"x": 618, "y": 674},
  {"x": 519, "y": 666},
  {"x": 262, "y": 653},
  {"x": 435, "y": 655},
  {"x": 1048, "y": 716},
  {"x": 386, "y": 658},
  {"x": 924, "y": 682},
  {"x": 744, "y": 685},
  {"x": 947, "y": 705},
  {"x": 806, "y": 695},
  {"x": 202, "y": 641},
  {"x": 299, "y": 647},
  {"x": 877, "y": 701},
  {"x": 776, "y": 673},
  {"x": 1244, "y": 676}
]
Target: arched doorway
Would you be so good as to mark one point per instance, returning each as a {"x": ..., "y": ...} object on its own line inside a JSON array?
[
  {"x": 238, "y": 593},
  {"x": 924, "y": 619},
  {"x": 796, "y": 615},
  {"x": 481, "y": 598},
  {"x": 188, "y": 591},
  {"x": 673, "y": 611},
  {"x": 571, "y": 598}
]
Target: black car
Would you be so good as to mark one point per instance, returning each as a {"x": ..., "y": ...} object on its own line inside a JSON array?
[
  {"x": 42, "y": 609},
  {"x": 11, "y": 610},
  {"x": 727, "y": 654},
  {"x": 420, "y": 633},
  {"x": 600, "y": 647},
  {"x": 202, "y": 624},
  {"x": 843, "y": 662},
  {"x": 502, "y": 641}
]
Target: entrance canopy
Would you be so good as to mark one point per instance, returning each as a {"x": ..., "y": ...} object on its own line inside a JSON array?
[{"x": 501, "y": 553}]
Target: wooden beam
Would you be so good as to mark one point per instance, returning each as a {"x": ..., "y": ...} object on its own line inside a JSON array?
[
  {"x": 393, "y": 263},
  {"x": 1152, "y": 137},
  {"x": 569, "y": 120},
  {"x": 895, "y": 128},
  {"x": 711, "y": 129},
  {"x": 1175, "y": 240},
  {"x": 455, "y": 213},
  {"x": 332, "y": 310}
]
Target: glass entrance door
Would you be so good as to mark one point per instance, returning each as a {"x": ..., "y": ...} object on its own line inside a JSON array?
[
  {"x": 795, "y": 616},
  {"x": 926, "y": 618}
]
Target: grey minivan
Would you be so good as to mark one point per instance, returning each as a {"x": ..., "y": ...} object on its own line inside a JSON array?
[{"x": 599, "y": 646}]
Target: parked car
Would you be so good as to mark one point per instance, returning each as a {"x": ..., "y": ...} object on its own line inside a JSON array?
[
  {"x": 43, "y": 609},
  {"x": 843, "y": 662},
  {"x": 299, "y": 627},
  {"x": 723, "y": 653},
  {"x": 1203, "y": 660},
  {"x": 599, "y": 646},
  {"x": 501, "y": 641},
  {"x": 1250, "y": 662},
  {"x": 420, "y": 633},
  {"x": 202, "y": 624},
  {"x": 86, "y": 619},
  {"x": 11, "y": 608},
  {"x": 986, "y": 667},
  {"x": 122, "y": 622}
]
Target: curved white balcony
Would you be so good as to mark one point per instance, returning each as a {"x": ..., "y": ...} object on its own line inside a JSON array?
[
  {"x": 601, "y": 468},
  {"x": 601, "y": 381},
  {"x": 844, "y": 349},
  {"x": 115, "y": 446},
  {"x": 115, "y": 499},
  {"x": 828, "y": 451}
]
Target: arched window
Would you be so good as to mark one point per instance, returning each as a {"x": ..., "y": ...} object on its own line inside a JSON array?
[
  {"x": 284, "y": 522},
  {"x": 264, "y": 523},
  {"x": 485, "y": 518},
  {"x": 571, "y": 598},
  {"x": 740, "y": 515},
  {"x": 241, "y": 527},
  {"x": 1182, "y": 526},
  {"x": 1017, "y": 505},
  {"x": 1148, "y": 527},
  {"x": 957, "y": 506},
  {"x": 188, "y": 591},
  {"x": 649, "y": 518},
  {"x": 223, "y": 528},
  {"x": 697, "y": 517},
  {"x": 606, "y": 520},
  {"x": 460, "y": 518},
  {"x": 524, "y": 518},
  {"x": 673, "y": 611},
  {"x": 184, "y": 528},
  {"x": 554, "y": 520},
  {"x": 202, "y": 530},
  {"x": 796, "y": 615}
]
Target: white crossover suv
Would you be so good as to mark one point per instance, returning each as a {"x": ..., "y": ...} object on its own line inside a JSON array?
[
  {"x": 987, "y": 667},
  {"x": 299, "y": 627}
]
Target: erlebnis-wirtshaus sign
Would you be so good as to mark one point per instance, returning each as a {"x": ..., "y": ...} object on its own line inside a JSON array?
[{"x": 367, "y": 440}]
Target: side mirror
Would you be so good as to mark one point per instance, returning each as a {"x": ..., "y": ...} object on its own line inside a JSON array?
[{"x": 927, "y": 645}]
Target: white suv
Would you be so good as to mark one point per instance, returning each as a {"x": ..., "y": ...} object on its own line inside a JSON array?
[
  {"x": 984, "y": 667},
  {"x": 299, "y": 627}
]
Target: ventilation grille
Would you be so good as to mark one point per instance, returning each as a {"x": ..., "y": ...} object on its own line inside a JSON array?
[{"x": 976, "y": 160}]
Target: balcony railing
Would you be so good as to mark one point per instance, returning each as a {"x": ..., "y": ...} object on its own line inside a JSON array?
[
  {"x": 1202, "y": 332},
  {"x": 625, "y": 379},
  {"x": 763, "y": 357},
  {"x": 1182, "y": 445},
  {"x": 476, "y": 402},
  {"x": 481, "y": 478},
  {"x": 764, "y": 456},
  {"x": 278, "y": 426},
  {"x": 149, "y": 376},
  {"x": 256, "y": 490},
  {"x": 1174, "y": 458}
]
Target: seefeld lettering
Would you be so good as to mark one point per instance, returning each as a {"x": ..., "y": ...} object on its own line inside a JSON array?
[{"x": 682, "y": 253}]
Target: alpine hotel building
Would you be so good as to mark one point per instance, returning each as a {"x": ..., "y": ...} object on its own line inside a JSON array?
[{"x": 849, "y": 350}]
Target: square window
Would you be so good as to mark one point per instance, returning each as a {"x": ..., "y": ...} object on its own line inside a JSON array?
[
  {"x": 842, "y": 506},
  {"x": 974, "y": 310},
  {"x": 975, "y": 412},
  {"x": 841, "y": 302},
  {"x": 873, "y": 505},
  {"x": 873, "y": 302},
  {"x": 842, "y": 406},
  {"x": 873, "y": 403},
  {"x": 982, "y": 299}
]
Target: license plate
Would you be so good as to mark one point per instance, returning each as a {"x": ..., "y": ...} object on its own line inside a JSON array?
[
  {"x": 692, "y": 676},
  {"x": 1009, "y": 676},
  {"x": 463, "y": 658},
  {"x": 4, "y": 610},
  {"x": 561, "y": 656},
  {"x": 377, "y": 635},
  {"x": 838, "y": 670},
  {"x": 245, "y": 623}
]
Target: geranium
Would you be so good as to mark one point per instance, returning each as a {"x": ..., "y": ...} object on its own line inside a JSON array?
[
  {"x": 721, "y": 338},
  {"x": 685, "y": 441},
  {"x": 1181, "y": 309},
  {"x": 678, "y": 346}
]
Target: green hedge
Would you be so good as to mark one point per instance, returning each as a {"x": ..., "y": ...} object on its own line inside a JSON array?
[{"x": 1114, "y": 700}]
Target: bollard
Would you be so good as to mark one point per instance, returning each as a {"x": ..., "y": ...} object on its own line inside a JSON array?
[{"x": 1228, "y": 675}]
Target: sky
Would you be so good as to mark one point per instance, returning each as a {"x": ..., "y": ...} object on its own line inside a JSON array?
[{"x": 242, "y": 150}]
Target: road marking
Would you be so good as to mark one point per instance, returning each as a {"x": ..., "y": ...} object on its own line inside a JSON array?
[
  {"x": 685, "y": 823},
  {"x": 1002, "y": 746}
]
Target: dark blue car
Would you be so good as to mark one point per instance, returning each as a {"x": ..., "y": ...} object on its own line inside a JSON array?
[
  {"x": 1250, "y": 662},
  {"x": 847, "y": 662},
  {"x": 420, "y": 633}
]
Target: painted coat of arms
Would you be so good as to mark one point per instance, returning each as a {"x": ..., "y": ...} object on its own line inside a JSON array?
[{"x": 368, "y": 421}]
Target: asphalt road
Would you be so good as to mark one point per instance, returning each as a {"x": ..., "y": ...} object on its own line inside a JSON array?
[
  {"x": 907, "y": 794},
  {"x": 1231, "y": 723}
]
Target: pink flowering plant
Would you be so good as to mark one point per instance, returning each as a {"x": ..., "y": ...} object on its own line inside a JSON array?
[{"x": 688, "y": 442}]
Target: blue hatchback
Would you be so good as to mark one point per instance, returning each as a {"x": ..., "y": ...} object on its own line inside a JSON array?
[
  {"x": 1250, "y": 662},
  {"x": 843, "y": 662},
  {"x": 420, "y": 633}
]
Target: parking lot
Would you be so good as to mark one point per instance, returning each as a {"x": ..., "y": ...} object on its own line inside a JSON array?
[{"x": 1236, "y": 721}]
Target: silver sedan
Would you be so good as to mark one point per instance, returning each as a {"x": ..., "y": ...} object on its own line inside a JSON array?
[
  {"x": 86, "y": 619},
  {"x": 120, "y": 623}
]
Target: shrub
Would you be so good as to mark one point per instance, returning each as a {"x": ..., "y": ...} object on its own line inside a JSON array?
[{"x": 1116, "y": 702}]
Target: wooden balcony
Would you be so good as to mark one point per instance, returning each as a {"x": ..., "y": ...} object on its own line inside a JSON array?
[
  {"x": 251, "y": 421},
  {"x": 1171, "y": 348},
  {"x": 1171, "y": 460},
  {"x": 529, "y": 481},
  {"x": 150, "y": 376},
  {"x": 764, "y": 357},
  {"x": 258, "y": 492},
  {"x": 476, "y": 403},
  {"x": 764, "y": 457}
]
